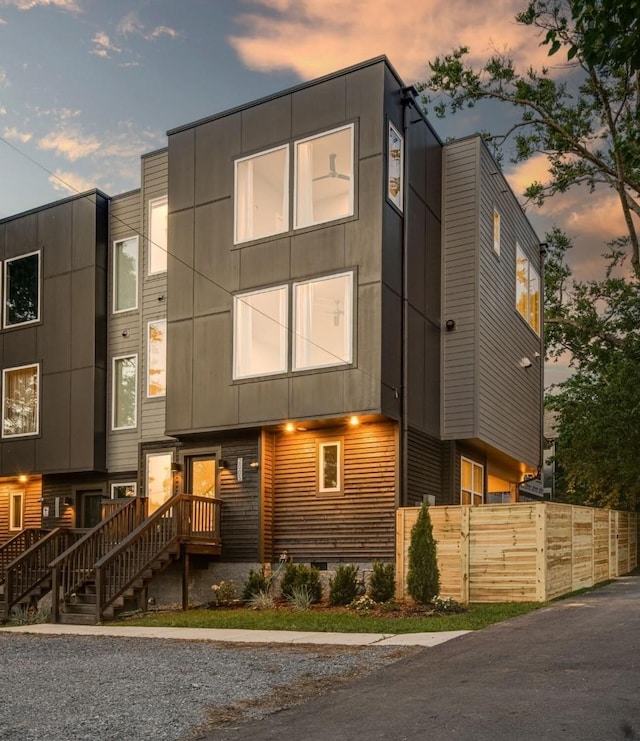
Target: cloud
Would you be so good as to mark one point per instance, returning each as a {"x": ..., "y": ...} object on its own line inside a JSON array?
[
  {"x": 70, "y": 6},
  {"x": 4, "y": 80},
  {"x": 159, "y": 31},
  {"x": 313, "y": 37},
  {"x": 3, "y": 111},
  {"x": 103, "y": 46},
  {"x": 70, "y": 143},
  {"x": 13, "y": 133},
  {"x": 71, "y": 182},
  {"x": 3, "y": 22},
  {"x": 130, "y": 25}
]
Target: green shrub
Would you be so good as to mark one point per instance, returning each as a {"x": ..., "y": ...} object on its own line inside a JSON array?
[
  {"x": 343, "y": 587},
  {"x": 256, "y": 582},
  {"x": 299, "y": 575},
  {"x": 423, "y": 577},
  {"x": 300, "y": 598},
  {"x": 382, "y": 582}
]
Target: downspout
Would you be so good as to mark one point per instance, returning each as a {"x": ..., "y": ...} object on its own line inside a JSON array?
[
  {"x": 408, "y": 99},
  {"x": 543, "y": 253}
]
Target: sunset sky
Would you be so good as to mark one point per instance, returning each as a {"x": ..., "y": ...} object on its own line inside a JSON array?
[{"x": 87, "y": 86}]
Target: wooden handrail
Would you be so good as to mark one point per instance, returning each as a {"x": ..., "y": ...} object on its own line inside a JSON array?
[
  {"x": 18, "y": 545},
  {"x": 33, "y": 567},
  {"x": 182, "y": 517},
  {"x": 76, "y": 565}
]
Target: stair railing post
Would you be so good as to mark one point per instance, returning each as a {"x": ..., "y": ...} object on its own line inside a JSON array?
[
  {"x": 55, "y": 594},
  {"x": 99, "y": 594}
]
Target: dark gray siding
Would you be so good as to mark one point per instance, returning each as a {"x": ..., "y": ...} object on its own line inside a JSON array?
[{"x": 69, "y": 341}]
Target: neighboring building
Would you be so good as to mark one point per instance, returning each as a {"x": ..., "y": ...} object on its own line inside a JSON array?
[{"x": 343, "y": 318}]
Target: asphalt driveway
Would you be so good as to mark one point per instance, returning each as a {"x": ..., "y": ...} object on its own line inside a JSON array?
[{"x": 570, "y": 671}]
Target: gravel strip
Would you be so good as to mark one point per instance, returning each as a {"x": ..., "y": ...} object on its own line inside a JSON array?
[{"x": 68, "y": 688}]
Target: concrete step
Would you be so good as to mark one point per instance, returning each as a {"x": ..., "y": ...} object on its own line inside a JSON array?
[{"x": 67, "y": 618}]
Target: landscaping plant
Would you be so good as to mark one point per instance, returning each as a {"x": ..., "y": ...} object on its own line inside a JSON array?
[
  {"x": 423, "y": 577},
  {"x": 343, "y": 587},
  {"x": 299, "y": 575},
  {"x": 382, "y": 582}
]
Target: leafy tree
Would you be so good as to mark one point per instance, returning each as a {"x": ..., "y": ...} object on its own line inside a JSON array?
[
  {"x": 423, "y": 577},
  {"x": 586, "y": 121}
]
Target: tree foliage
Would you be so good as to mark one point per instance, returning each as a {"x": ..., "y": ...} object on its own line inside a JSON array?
[
  {"x": 423, "y": 577},
  {"x": 585, "y": 118}
]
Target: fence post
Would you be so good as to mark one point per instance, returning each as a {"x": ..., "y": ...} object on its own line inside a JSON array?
[
  {"x": 400, "y": 537},
  {"x": 465, "y": 547},
  {"x": 541, "y": 552},
  {"x": 55, "y": 594}
]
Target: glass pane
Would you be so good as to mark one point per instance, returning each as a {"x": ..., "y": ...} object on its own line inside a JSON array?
[
  {"x": 465, "y": 497},
  {"x": 478, "y": 480},
  {"x": 465, "y": 473},
  {"x": 496, "y": 232},
  {"x": 22, "y": 284},
  {"x": 157, "y": 355},
  {"x": 330, "y": 466},
  {"x": 203, "y": 477},
  {"x": 16, "y": 512},
  {"x": 323, "y": 311},
  {"x": 158, "y": 480},
  {"x": 124, "y": 392},
  {"x": 260, "y": 333},
  {"x": 158, "y": 214},
  {"x": 262, "y": 195},
  {"x": 20, "y": 411},
  {"x": 324, "y": 178},
  {"x": 522, "y": 283},
  {"x": 120, "y": 491},
  {"x": 534, "y": 300},
  {"x": 126, "y": 275}
]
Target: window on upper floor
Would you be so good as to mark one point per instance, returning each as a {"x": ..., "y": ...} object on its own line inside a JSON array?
[
  {"x": 262, "y": 195},
  {"x": 157, "y": 358},
  {"x": 125, "y": 274},
  {"x": 125, "y": 392},
  {"x": 16, "y": 510},
  {"x": 324, "y": 177},
  {"x": 527, "y": 290},
  {"x": 22, "y": 290},
  {"x": 323, "y": 322},
  {"x": 158, "y": 219},
  {"x": 471, "y": 482},
  {"x": 20, "y": 401},
  {"x": 122, "y": 491},
  {"x": 330, "y": 467},
  {"x": 496, "y": 231},
  {"x": 260, "y": 332}
]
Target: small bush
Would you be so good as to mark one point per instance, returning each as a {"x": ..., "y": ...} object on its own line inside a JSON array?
[
  {"x": 226, "y": 592},
  {"x": 300, "y": 598},
  {"x": 363, "y": 603},
  {"x": 256, "y": 582},
  {"x": 343, "y": 587},
  {"x": 423, "y": 577},
  {"x": 299, "y": 575},
  {"x": 382, "y": 582},
  {"x": 261, "y": 600}
]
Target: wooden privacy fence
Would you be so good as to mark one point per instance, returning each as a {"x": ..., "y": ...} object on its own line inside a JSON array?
[{"x": 521, "y": 552}]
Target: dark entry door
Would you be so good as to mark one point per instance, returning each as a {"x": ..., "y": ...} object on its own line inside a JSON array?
[{"x": 90, "y": 508}]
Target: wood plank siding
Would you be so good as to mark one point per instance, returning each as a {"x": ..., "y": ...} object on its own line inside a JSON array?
[{"x": 357, "y": 524}]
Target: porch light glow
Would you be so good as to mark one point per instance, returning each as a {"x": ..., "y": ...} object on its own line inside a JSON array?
[
  {"x": 354, "y": 421},
  {"x": 289, "y": 427},
  {"x": 23, "y": 479}
]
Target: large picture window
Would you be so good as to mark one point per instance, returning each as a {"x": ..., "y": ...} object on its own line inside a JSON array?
[
  {"x": 260, "y": 332},
  {"x": 262, "y": 195},
  {"x": 20, "y": 401},
  {"x": 158, "y": 216},
  {"x": 323, "y": 322},
  {"x": 471, "y": 482},
  {"x": 157, "y": 358},
  {"x": 125, "y": 274},
  {"x": 527, "y": 290},
  {"x": 22, "y": 290},
  {"x": 324, "y": 177},
  {"x": 125, "y": 381}
]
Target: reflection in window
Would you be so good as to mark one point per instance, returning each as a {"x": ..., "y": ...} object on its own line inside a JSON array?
[
  {"x": 157, "y": 358},
  {"x": 158, "y": 215},
  {"x": 158, "y": 483},
  {"x": 324, "y": 177},
  {"x": 20, "y": 389},
  {"x": 262, "y": 195},
  {"x": 471, "y": 482},
  {"x": 496, "y": 232},
  {"x": 260, "y": 332},
  {"x": 122, "y": 491},
  {"x": 22, "y": 290},
  {"x": 16, "y": 510},
  {"x": 527, "y": 290},
  {"x": 125, "y": 379},
  {"x": 125, "y": 274},
  {"x": 323, "y": 322},
  {"x": 330, "y": 467}
]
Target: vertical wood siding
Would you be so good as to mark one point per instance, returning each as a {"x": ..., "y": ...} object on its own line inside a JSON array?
[{"x": 356, "y": 525}]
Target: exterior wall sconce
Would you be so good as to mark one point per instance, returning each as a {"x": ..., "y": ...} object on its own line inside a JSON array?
[
  {"x": 525, "y": 362},
  {"x": 68, "y": 502},
  {"x": 254, "y": 464},
  {"x": 450, "y": 325},
  {"x": 176, "y": 467},
  {"x": 223, "y": 463},
  {"x": 23, "y": 479},
  {"x": 354, "y": 421},
  {"x": 289, "y": 427}
]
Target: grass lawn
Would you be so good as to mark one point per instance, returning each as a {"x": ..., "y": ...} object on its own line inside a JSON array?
[{"x": 333, "y": 620}]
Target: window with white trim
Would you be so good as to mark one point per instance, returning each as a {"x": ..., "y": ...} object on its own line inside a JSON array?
[
  {"x": 125, "y": 274},
  {"x": 124, "y": 386},
  {"x": 260, "y": 332},
  {"x": 330, "y": 467},
  {"x": 324, "y": 170},
  {"x": 496, "y": 231},
  {"x": 158, "y": 222},
  {"x": 527, "y": 290},
  {"x": 471, "y": 482},
  {"x": 157, "y": 358},
  {"x": 20, "y": 401},
  {"x": 323, "y": 322},
  {"x": 122, "y": 491},
  {"x": 16, "y": 510},
  {"x": 262, "y": 195},
  {"x": 22, "y": 290},
  {"x": 159, "y": 480}
]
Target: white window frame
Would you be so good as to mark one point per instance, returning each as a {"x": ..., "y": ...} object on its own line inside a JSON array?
[
  {"x": 351, "y": 128},
  {"x": 530, "y": 270},
  {"x": 322, "y": 446},
  {"x": 472, "y": 492},
  {"x": 148, "y": 457},
  {"x": 496, "y": 231},
  {"x": 132, "y": 484},
  {"x": 285, "y": 195},
  {"x": 395, "y": 167},
  {"x": 298, "y": 336},
  {"x": 114, "y": 277},
  {"x": 283, "y": 331},
  {"x": 125, "y": 356},
  {"x": 5, "y": 292},
  {"x": 148, "y": 380},
  {"x": 6, "y": 372},
  {"x": 152, "y": 245},
  {"x": 13, "y": 496}
]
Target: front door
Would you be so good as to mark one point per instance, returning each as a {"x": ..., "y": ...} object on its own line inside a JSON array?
[
  {"x": 90, "y": 508},
  {"x": 201, "y": 476}
]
